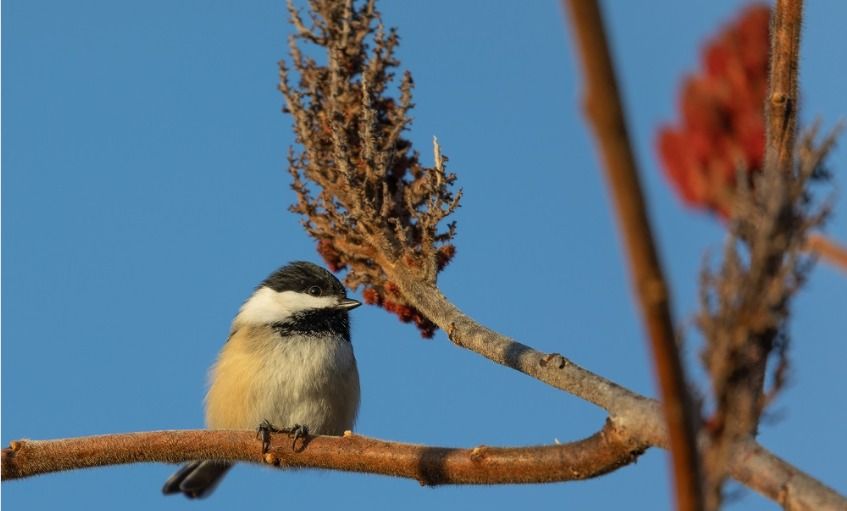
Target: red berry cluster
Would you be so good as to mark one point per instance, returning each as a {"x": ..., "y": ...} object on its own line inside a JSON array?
[
  {"x": 331, "y": 256},
  {"x": 390, "y": 299},
  {"x": 386, "y": 294},
  {"x": 444, "y": 255},
  {"x": 722, "y": 130}
]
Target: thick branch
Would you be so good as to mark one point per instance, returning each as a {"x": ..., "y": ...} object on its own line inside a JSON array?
[
  {"x": 598, "y": 454},
  {"x": 636, "y": 415},
  {"x": 604, "y": 109}
]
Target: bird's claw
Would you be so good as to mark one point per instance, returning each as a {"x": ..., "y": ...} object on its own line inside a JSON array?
[
  {"x": 295, "y": 432},
  {"x": 264, "y": 432},
  {"x": 266, "y": 428}
]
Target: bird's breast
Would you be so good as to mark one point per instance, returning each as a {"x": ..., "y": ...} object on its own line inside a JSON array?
[{"x": 295, "y": 379}]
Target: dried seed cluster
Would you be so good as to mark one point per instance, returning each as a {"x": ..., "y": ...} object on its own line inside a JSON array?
[{"x": 361, "y": 188}]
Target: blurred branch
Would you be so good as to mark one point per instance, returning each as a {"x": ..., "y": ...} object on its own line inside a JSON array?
[
  {"x": 817, "y": 243},
  {"x": 778, "y": 480},
  {"x": 781, "y": 107},
  {"x": 746, "y": 303},
  {"x": 598, "y": 454},
  {"x": 603, "y": 107},
  {"x": 827, "y": 250}
]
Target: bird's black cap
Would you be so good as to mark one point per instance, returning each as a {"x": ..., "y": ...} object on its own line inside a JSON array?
[
  {"x": 299, "y": 276},
  {"x": 304, "y": 277}
]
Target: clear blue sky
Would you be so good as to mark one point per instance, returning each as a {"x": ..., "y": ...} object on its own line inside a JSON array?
[{"x": 144, "y": 195}]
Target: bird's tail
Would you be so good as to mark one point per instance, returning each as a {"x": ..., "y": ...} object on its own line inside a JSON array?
[{"x": 196, "y": 479}]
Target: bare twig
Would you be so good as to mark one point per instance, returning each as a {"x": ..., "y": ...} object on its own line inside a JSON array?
[
  {"x": 605, "y": 451},
  {"x": 781, "y": 107},
  {"x": 827, "y": 250},
  {"x": 604, "y": 109}
]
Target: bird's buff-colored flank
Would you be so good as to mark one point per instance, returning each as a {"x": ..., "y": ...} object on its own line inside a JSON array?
[{"x": 247, "y": 388}]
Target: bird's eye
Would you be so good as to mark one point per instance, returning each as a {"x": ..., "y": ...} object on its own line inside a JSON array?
[{"x": 314, "y": 291}]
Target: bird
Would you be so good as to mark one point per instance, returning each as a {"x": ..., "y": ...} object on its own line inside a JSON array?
[{"x": 288, "y": 365}]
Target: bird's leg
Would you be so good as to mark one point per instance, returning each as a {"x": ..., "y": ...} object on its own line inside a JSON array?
[
  {"x": 264, "y": 431},
  {"x": 266, "y": 428},
  {"x": 297, "y": 431}
]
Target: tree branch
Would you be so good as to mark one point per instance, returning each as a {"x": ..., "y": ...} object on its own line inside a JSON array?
[
  {"x": 827, "y": 250},
  {"x": 746, "y": 303},
  {"x": 635, "y": 415},
  {"x": 776, "y": 479},
  {"x": 636, "y": 421},
  {"x": 630, "y": 410},
  {"x": 603, "y": 107},
  {"x": 781, "y": 107},
  {"x": 598, "y": 454}
]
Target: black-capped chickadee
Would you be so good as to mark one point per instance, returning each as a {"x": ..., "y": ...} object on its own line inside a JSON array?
[{"x": 288, "y": 362}]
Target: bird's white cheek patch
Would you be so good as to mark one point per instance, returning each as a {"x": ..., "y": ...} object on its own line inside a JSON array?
[
  {"x": 296, "y": 302},
  {"x": 268, "y": 306}
]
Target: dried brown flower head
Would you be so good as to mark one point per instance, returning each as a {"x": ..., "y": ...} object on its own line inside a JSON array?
[
  {"x": 716, "y": 160},
  {"x": 361, "y": 188},
  {"x": 745, "y": 302}
]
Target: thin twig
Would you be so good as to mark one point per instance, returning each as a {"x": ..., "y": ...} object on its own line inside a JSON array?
[
  {"x": 827, "y": 250},
  {"x": 604, "y": 109},
  {"x": 605, "y": 451},
  {"x": 781, "y": 107}
]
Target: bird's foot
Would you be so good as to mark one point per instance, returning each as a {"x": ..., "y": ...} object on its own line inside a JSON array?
[
  {"x": 266, "y": 428},
  {"x": 295, "y": 432},
  {"x": 264, "y": 432}
]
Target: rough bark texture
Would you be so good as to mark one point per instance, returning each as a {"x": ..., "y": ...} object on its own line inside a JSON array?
[
  {"x": 603, "y": 452},
  {"x": 781, "y": 107}
]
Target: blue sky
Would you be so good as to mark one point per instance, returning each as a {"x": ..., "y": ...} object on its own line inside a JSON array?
[{"x": 144, "y": 194}]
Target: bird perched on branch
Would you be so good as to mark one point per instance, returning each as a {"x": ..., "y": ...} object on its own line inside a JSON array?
[{"x": 288, "y": 365}]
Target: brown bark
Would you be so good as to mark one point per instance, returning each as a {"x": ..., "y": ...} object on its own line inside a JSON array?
[
  {"x": 776, "y": 479},
  {"x": 828, "y": 251},
  {"x": 781, "y": 106},
  {"x": 603, "y": 452}
]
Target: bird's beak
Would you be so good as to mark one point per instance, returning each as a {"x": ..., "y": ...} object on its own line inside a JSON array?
[{"x": 348, "y": 304}]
